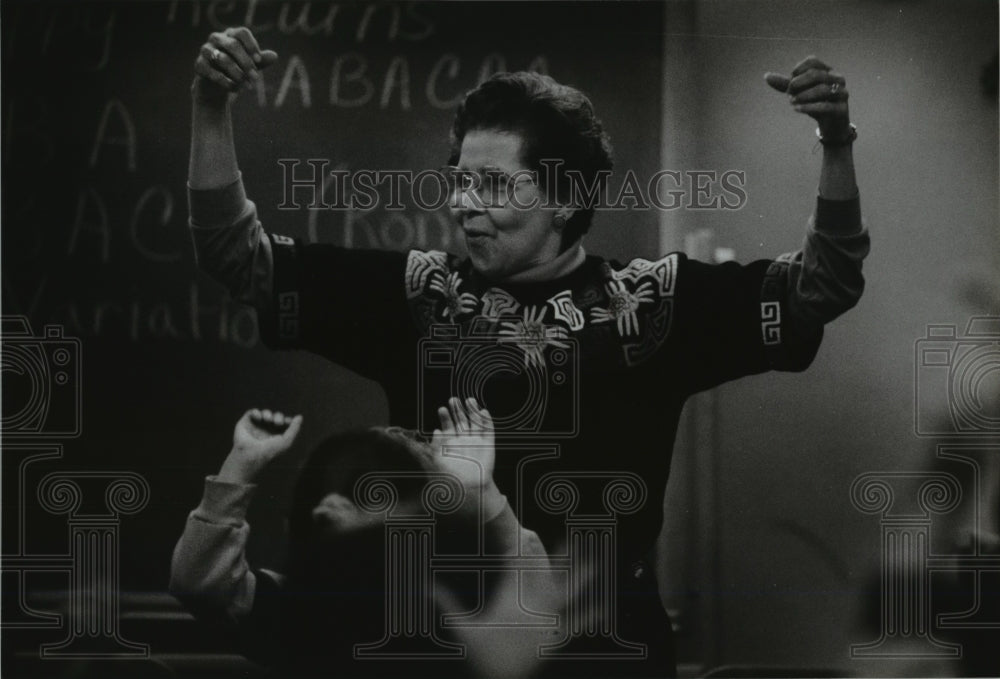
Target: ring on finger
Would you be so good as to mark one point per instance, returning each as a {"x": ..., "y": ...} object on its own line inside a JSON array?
[
  {"x": 216, "y": 56},
  {"x": 834, "y": 88}
]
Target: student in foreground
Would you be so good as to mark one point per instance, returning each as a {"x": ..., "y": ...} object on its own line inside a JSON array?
[{"x": 334, "y": 596}]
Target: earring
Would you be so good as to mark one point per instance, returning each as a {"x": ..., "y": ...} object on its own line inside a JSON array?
[{"x": 559, "y": 222}]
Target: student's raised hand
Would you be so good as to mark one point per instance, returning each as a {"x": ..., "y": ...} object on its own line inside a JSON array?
[
  {"x": 818, "y": 92},
  {"x": 464, "y": 445},
  {"x": 259, "y": 437},
  {"x": 228, "y": 61}
]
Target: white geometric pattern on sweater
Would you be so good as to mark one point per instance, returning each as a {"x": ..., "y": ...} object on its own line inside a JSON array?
[
  {"x": 663, "y": 270},
  {"x": 420, "y": 266}
]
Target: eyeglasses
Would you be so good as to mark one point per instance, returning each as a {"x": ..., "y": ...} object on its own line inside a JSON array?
[{"x": 491, "y": 187}]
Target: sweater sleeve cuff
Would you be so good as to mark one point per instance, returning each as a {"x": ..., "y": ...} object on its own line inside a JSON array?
[
  {"x": 224, "y": 502},
  {"x": 838, "y": 217},
  {"x": 213, "y": 208}
]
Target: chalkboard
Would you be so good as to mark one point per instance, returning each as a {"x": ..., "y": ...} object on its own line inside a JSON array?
[{"x": 97, "y": 260}]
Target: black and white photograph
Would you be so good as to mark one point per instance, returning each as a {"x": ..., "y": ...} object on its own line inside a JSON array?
[{"x": 499, "y": 340}]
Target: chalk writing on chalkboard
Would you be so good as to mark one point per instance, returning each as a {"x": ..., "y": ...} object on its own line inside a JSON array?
[
  {"x": 407, "y": 22},
  {"x": 96, "y": 211},
  {"x": 354, "y": 83}
]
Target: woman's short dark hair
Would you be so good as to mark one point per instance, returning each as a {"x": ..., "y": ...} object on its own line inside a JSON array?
[{"x": 556, "y": 121}]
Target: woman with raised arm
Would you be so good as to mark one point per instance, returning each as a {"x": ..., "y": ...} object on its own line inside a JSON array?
[{"x": 610, "y": 351}]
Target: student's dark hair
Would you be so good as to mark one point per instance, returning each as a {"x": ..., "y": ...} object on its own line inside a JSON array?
[
  {"x": 334, "y": 594},
  {"x": 556, "y": 121},
  {"x": 336, "y": 465}
]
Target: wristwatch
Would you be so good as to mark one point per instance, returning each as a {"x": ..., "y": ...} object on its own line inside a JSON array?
[{"x": 847, "y": 139}]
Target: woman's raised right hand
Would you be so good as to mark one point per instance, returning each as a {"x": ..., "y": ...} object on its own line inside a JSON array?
[{"x": 228, "y": 61}]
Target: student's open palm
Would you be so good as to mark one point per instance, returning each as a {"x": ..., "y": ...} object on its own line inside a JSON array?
[{"x": 464, "y": 445}]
